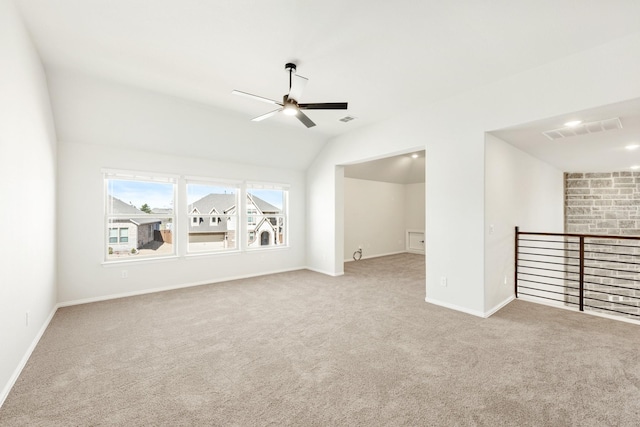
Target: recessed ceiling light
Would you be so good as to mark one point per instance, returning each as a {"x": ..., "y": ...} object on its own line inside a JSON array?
[
  {"x": 635, "y": 167},
  {"x": 414, "y": 156},
  {"x": 632, "y": 146},
  {"x": 573, "y": 123}
]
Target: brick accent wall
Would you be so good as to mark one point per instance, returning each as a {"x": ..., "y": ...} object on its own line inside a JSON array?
[
  {"x": 606, "y": 203},
  {"x": 602, "y": 203}
]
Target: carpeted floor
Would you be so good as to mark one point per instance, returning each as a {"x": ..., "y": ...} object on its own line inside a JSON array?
[{"x": 305, "y": 349}]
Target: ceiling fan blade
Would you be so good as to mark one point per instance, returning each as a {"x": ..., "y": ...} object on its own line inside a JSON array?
[
  {"x": 256, "y": 97},
  {"x": 266, "y": 116},
  {"x": 297, "y": 86},
  {"x": 304, "y": 119},
  {"x": 324, "y": 106}
]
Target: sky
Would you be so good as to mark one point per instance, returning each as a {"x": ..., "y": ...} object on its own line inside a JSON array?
[{"x": 160, "y": 195}]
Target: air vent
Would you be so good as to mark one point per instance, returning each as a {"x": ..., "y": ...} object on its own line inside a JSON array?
[
  {"x": 584, "y": 129},
  {"x": 346, "y": 119}
]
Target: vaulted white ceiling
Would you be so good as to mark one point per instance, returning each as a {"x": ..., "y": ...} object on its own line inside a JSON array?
[{"x": 382, "y": 57}]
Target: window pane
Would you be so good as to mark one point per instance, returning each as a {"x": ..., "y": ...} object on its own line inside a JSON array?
[
  {"x": 213, "y": 213},
  {"x": 139, "y": 217},
  {"x": 124, "y": 235},
  {"x": 113, "y": 235},
  {"x": 266, "y": 217}
]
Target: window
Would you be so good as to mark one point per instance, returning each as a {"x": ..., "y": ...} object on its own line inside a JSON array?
[
  {"x": 266, "y": 215},
  {"x": 124, "y": 235},
  {"x": 214, "y": 216},
  {"x": 139, "y": 215},
  {"x": 251, "y": 219}
]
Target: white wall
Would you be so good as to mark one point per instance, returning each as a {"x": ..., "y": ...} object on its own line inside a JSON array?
[
  {"x": 81, "y": 274},
  {"x": 89, "y": 110},
  {"x": 27, "y": 194},
  {"x": 523, "y": 191},
  {"x": 374, "y": 217},
  {"x": 414, "y": 206},
  {"x": 104, "y": 124},
  {"x": 452, "y": 132}
]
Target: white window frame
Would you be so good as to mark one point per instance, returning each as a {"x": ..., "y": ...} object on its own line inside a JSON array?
[
  {"x": 109, "y": 216},
  {"x": 208, "y": 217},
  {"x": 284, "y": 215}
]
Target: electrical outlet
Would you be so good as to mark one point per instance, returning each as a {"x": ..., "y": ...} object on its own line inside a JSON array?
[
  {"x": 26, "y": 318},
  {"x": 125, "y": 274},
  {"x": 443, "y": 281},
  {"x": 491, "y": 229}
]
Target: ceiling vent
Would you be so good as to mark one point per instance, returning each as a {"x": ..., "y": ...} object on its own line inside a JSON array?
[
  {"x": 346, "y": 119},
  {"x": 584, "y": 129}
]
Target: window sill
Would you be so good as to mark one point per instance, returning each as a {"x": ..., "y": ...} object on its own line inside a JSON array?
[{"x": 116, "y": 262}]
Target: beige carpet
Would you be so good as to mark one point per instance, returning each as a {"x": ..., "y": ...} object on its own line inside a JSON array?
[{"x": 305, "y": 349}]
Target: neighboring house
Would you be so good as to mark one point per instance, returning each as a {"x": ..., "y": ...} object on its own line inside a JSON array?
[
  {"x": 166, "y": 223},
  {"x": 126, "y": 234},
  {"x": 218, "y": 223}
]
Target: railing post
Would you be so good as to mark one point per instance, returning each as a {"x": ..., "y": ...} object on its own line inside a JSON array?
[
  {"x": 581, "y": 283},
  {"x": 515, "y": 269}
]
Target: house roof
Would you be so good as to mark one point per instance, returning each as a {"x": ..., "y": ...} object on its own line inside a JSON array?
[
  {"x": 162, "y": 211},
  {"x": 222, "y": 203},
  {"x": 119, "y": 207}
]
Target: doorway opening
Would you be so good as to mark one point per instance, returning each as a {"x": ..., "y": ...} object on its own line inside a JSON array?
[{"x": 384, "y": 206}]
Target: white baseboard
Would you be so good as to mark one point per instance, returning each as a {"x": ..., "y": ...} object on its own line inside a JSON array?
[
  {"x": 23, "y": 362},
  {"x": 377, "y": 255},
  {"x": 455, "y": 307},
  {"x": 172, "y": 287},
  {"x": 499, "y": 306},
  {"x": 477, "y": 313}
]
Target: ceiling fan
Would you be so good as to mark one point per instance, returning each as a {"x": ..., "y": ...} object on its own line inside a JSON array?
[{"x": 290, "y": 105}]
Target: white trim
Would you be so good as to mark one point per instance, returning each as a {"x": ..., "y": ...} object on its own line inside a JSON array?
[
  {"x": 140, "y": 175},
  {"x": 499, "y": 306},
  {"x": 140, "y": 260},
  {"x": 407, "y": 244},
  {"x": 454, "y": 307},
  {"x": 575, "y": 310},
  {"x": 25, "y": 358},
  {"x": 173, "y": 287},
  {"x": 379, "y": 255},
  {"x": 261, "y": 185},
  {"x": 231, "y": 183}
]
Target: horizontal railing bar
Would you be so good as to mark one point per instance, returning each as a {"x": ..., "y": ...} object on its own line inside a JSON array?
[
  {"x": 611, "y": 253},
  {"x": 611, "y": 286},
  {"x": 552, "y": 299},
  {"x": 612, "y": 244},
  {"x": 608, "y": 260},
  {"x": 586, "y": 236},
  {"x": 564, "y": 242},
  {"x": 546, "y": 284},
  {"x": 550, "y": 277},
  {"x": 542, "y": 290},
  {"x": 552, "y": 256},
  {"x": 610, "y": 309},
  {"x": 549, "y": 262},
  {"x": 611, "y": 277},
  {"x": 550, "y": 249},
  {"x": 612, "y": 293},
  {"x": 608, "y": 269},
  {"x": 549, "y": 269}
]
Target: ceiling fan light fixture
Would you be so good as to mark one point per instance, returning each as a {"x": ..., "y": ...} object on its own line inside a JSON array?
[{"x": 290, "y": 109}]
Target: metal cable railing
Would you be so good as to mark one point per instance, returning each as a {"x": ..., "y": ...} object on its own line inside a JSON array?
[{"x": 592, "y": 272}]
